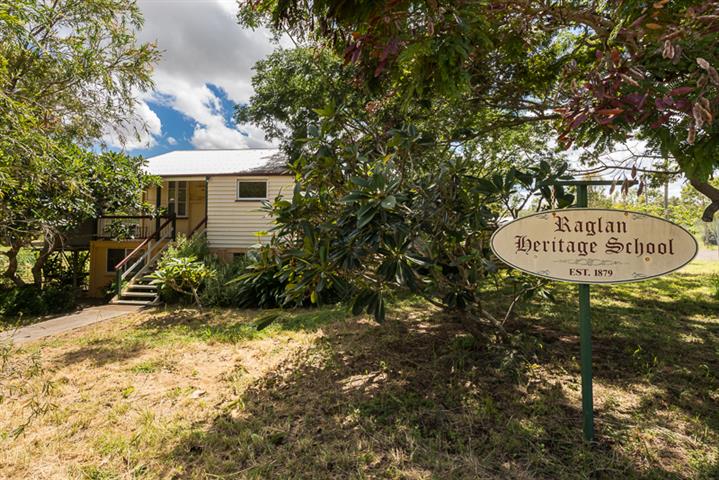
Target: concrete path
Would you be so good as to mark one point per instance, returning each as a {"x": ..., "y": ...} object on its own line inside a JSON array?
[
  {"x": 705, "y": 254},
  {"x": 63, "y": 324}
]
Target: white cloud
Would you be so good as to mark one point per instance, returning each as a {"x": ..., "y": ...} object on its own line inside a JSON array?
[
  {"x": 142, "y": 132},
  {"x": 203, "y": 44},
  {"x": 171, "y": 141}
]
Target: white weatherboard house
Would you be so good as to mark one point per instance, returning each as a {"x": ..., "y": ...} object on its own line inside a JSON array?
[{"x": 217, "y": 193}]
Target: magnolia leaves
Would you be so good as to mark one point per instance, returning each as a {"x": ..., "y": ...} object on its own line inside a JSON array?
[
  {"x": 376, "y": 192},
  {"x": 372, "y": 302}
]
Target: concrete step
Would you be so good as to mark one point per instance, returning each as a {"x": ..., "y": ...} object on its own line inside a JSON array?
[
  {"x": 141, "y": 286},
  {"x": 130, "y": 293},
  {"x": 132, "y": 302}
]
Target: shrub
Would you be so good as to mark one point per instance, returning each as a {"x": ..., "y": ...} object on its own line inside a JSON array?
[
  {"x": 24, "y": 300},
  {"x": 260, "y": 283},
  {"x": 259, "y": 279},
  {"x": 181, "y": 275},
  {"x": 59, "y": 298},
  {"x": 219, "y": 290},
  {"x": 184, "y": 247},
  {"x": 30, "y": 300}
]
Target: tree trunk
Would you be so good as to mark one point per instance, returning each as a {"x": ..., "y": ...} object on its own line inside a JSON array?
[
  {"x": 711, "y": 193},
  {"x": 11, "y": 271},
  {"x": 48, "y": 247}
]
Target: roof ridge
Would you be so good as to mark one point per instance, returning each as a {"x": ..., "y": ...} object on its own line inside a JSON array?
[
  {"x": 220, "y": 149},
  {"x": 226, "y": 161},
  {"x": 213, "y": 150}
]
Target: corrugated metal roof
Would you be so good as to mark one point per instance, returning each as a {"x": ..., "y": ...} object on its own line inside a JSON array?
[{"x": 254, "y": 161}]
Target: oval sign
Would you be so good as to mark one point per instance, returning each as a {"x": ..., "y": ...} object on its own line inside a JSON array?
[{"x": 589, "y": 245}]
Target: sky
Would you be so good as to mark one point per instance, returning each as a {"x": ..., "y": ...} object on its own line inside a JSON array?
[{"x": 205, "y": 70}]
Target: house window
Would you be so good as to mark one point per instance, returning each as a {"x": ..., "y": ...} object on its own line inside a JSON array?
[
  {"x": 251, "y": 189},
  {"x": 115, "y": 256},
  {"x": 177, "y": 198}
]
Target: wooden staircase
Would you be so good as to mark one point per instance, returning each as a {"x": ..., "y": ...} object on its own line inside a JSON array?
[
  {"x": 139, "y": 292},
  {"x": 134, "y": 283}
]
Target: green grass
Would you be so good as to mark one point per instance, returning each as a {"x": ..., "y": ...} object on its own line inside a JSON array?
[{"x": 321, "y": 394}]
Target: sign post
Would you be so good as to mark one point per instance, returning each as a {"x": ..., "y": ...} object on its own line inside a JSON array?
[
  {"x": 587, "y": 245},
  {"x": 585, "y": 338}
]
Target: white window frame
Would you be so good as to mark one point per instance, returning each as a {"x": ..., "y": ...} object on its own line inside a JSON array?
[
  {"x": 251, "y": 180},
  {"x": 187, "y": 197}
]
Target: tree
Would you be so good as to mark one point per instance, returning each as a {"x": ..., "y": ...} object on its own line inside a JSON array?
[
  {"x": 69, "y": 71},
  {"x": 286, "y": 91},
  {"x": 56, "y": 193},
  {"x": 601, "y": 72},
  {"x": 384, "y": 200},
  {"x": 77, "y": 63}
]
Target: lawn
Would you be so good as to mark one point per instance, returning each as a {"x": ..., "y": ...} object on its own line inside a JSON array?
[{"x": 322, "y": 394}]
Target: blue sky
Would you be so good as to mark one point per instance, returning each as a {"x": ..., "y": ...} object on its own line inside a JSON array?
[
  {"x": 205, "y": 70},
  {"x": 177, "y": 128}
]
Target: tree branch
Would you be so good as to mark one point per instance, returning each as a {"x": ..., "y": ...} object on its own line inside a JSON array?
[{"x": 711, "y": 193}]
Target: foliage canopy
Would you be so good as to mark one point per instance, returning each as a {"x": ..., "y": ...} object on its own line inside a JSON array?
[{"x": 601, "y": 72}]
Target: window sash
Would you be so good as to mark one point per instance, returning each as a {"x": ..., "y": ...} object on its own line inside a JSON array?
[
  {"x": 251, "y": 192},
  {"x": 177, "y": 198}
]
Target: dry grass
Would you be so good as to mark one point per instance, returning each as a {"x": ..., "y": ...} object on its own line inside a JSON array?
[{"x": 182, "y": 394}]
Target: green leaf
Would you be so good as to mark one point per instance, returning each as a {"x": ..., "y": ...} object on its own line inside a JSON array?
[
  {"x": 360, "y": 181},
  {"x": 366, "y": 214},
  {"x": 379, "y": 310},
  {"x": 354, "y": 196},
  {"x": 361, "y": 301},
  {"x": 389, "y": 202}
]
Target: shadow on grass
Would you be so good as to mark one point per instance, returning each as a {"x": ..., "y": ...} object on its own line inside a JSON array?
[
  {"x": 103, "y": 352},
  {"x": 190, "y": 325},
  {"x": 662, "y": 333},
  {"x": 416, "y": 398},
  {"x": 234, "y": 326}
]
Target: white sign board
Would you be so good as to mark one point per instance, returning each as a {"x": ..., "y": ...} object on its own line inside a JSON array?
[{"x": 588, "y": 245}]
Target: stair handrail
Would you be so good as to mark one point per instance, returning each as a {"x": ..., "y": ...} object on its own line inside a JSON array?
[
  {"x": 202, "y": 223},
  {"x": 120, "y": 269}
]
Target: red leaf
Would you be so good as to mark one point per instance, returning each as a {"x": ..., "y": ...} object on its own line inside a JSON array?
[
  {"x": 578, "y": 120},
  {"x": 380, "y": 68},
  {"x": 660, "y": 121},
  {"x": 682, "y": 105},
  {"x": 681, "y": 90},
  {"x": 610, "y": 111},
  {"x": 703, "y": 63}
]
